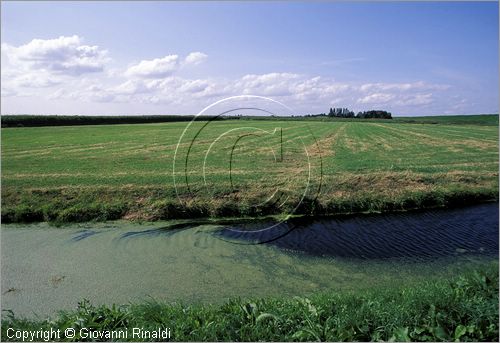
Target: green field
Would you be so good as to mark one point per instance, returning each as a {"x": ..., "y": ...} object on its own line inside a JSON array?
[
  {"x": 242, "y": 168},
  {"x": 482, "y": 119}
]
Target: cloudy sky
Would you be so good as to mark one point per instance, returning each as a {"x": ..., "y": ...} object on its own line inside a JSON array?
[{"x": 177, "y": 58}]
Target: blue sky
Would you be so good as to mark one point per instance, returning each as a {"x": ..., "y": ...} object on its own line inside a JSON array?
[{"x": 176, "y": 58}]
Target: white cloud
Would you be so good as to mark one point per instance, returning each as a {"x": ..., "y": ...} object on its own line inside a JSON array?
[
  {"x": 289, "y": 87},
  {"x": 45, "y": 63},
  {"x": 271, "y": 84},
  {"x": 131, "y": 87},
  {"x": 307, "y": 94},
  {"x": 30, "y": 80},
  {"x": 415, "y": 100},
  {"x": 160, "y": 68},
  {"x": 63, "y": 55},
  {"x": 194, "y": 86},
  {"x": 303, "y": 93},
  {"x": 92, "y": 93},
  {"x": 154, "y": 69},
  {"x": 195, "y": 58},
  {"x": 419, "y": 85},
  {"x": 376, "y": 98},
  {"x": 399, "y": 96}
]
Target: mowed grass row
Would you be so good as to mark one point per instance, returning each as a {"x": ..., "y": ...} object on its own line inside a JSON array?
[{"x": 242, "y": 168}]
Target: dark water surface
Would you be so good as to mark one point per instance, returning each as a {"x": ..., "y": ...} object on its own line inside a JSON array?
[
  {"x": 46, "y": 269},
  {"x": 414, "y": 235}
]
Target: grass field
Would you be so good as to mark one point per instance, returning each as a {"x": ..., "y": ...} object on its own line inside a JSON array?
[
  {"x": 245, "y": 168},
  {"x": 483, "y": 119},
  {"x": 464, "y": 308}
]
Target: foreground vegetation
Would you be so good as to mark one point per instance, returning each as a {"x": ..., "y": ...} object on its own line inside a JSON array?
[
  {"x": 462, "y": 309},
  {"x": 81, "y": 173}
]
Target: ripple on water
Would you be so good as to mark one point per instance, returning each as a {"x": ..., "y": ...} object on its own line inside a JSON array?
[{"x": 402, "y": 235}]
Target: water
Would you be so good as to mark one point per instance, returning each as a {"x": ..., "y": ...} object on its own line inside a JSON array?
[
  {"x": 422, "y": 235},
  {"x": 45, "y": 269}
]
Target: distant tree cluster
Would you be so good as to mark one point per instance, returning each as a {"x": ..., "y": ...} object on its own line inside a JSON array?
[
  {"x": 346, "y": 113},
  {"x": 341, "y": 113},
  {"x": 374, "y": 114},
  {"x": 313, "y": 115}
]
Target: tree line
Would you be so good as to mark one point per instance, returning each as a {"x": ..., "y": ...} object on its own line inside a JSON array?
[
  {"x": 346, "y": 113},
  {"x": 56, "y": 120},
  {"x": 69, "y": 120}
]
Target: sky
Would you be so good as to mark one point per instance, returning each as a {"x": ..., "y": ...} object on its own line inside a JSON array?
[{"x": 121, "y": 58}]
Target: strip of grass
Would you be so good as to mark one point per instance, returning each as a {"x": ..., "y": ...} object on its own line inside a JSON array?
[
  {"x": 474, "y": 119},
  {"x": 462, "y": 309},
  {"x": 69, "y": 205},
  {"x": 480, "y": 119}
]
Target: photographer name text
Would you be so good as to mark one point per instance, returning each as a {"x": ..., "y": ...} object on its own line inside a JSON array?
[{"x": 86, "y": 333}]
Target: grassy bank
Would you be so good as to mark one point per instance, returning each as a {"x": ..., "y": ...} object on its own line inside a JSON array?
[
  {"x": 61, "y": 206},
  {"x": 82, "y": 173},
  {"x": 463, "y": 309}
]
